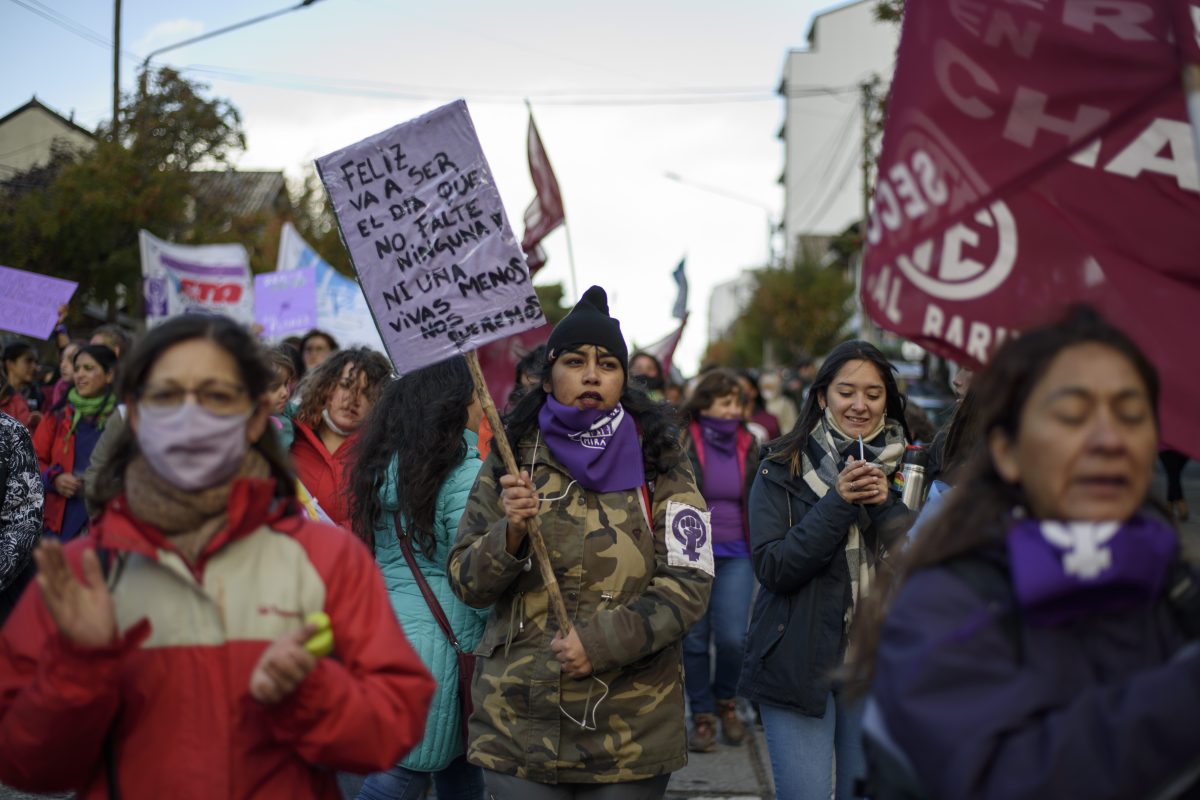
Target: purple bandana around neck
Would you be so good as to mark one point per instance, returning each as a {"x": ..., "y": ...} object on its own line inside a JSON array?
[
  {"x": 600, "y": 448},
  {"x": 720, "y": 434},
  {"x": 1063, "y": 571}
]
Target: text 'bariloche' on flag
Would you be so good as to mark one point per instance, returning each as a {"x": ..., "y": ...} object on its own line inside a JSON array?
[{"x": 1039, "y": 155}]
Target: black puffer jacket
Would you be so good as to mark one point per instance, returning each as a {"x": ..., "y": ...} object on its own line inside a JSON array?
[{"x": 796, "y": 637}]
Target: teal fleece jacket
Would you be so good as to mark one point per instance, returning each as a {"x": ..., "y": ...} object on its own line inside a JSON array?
[{"x": 442, "y": 742}]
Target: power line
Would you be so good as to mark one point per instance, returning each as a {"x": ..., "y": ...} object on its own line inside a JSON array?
[
  {"x": 561, "y": 97},
  {"x": 833, "y": 192},
  {"x": 70, "y": 25},
  {"x": 842, "y": 138}
]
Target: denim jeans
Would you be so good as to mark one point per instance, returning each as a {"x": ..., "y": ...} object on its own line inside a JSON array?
[
  {"x": 726, "y": 620},
  {"x": 458, "y": 781},
  {"x": 803, "y": 749}
]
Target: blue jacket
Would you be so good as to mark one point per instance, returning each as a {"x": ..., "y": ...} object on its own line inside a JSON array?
[
  {"x": 1106, "y": 707},
  {"x": 798, "y": 542},
  {"x": 443, "y": 739}
]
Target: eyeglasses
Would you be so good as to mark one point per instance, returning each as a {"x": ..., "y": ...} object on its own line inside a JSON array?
[{"x": 221, "y": 400}]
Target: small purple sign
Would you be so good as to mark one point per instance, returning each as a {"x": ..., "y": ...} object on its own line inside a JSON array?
[
  {"x": 435, "y": 255},
  {"x": 29, "y": 302},
  {"x": 286, "y": 302}
]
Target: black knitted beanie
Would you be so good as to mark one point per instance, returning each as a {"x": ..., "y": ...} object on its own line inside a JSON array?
[{"x": 589, "y": 323}]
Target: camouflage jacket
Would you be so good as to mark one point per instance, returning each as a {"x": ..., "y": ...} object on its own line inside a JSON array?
[{"x": 632, "y": 596}]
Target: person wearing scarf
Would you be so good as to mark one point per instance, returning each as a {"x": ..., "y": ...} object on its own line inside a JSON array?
[
  {"x": 821, "y": 517},
  {"x": 724, "y": 456},
  {"x": 64, "y": 442},
  {"x": 1039, "y": 638},
  {"x": 205, "y": 639},
  {"x": 599, "y": 709}
]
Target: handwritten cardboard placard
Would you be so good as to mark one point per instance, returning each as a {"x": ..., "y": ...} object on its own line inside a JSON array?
[
  {"x": 286, "y": 302},
  {"x": 437, "y": 260},
  {"x": 29, "y": 302}
]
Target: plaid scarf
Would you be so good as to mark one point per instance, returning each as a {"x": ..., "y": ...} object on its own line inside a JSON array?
[{"x": 824, "y": 458}]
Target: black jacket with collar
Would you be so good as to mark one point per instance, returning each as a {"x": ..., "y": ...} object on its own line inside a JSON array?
[{"x": 796, "y": 637}]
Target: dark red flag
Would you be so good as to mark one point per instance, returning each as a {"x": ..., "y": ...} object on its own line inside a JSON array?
[
  {"x": 1038, "y": 154},
  {"x": 545, "y": 213}
]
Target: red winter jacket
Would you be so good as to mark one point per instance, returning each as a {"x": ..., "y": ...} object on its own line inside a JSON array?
[
  {"x": 56, "y": 455},
  {"x": 173, "y": 693},
  {"x": 323, "y": 473}
]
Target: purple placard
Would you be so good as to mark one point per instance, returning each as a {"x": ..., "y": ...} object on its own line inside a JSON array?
[
  {"x": 286, "y": 302},
  {"x": 427, "y": 234},
  {"x": 29, "y": 302}
]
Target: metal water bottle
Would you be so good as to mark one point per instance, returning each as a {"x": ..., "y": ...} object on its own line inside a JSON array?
[{"x": 909, "y": 480}]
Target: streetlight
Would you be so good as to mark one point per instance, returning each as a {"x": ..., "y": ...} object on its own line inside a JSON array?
[
  {"x": 226, "y": 29},
  {"x": 184, "y": 43},
  {"x": 771, "y": 226}
]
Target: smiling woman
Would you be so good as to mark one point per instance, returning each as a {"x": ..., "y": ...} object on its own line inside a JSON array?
[
  {"x": 821, "y": 519},
  {"x": 64, "y": 441}
]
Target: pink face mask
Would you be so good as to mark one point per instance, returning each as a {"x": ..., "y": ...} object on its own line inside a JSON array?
[{"x": 191, "y": 447}]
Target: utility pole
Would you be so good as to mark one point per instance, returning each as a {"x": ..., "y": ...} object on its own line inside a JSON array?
[
  {"x": 866, "y": 329},
  {"x": 116, "y": 105}
]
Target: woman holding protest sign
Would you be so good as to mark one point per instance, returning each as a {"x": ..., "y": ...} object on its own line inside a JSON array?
[
  {"x": 1042, "y": 628},
  {"x": 336, "y": 398},
  {"x": 64, "y": 441},
  {"x": 415, "y": 465},
  {"x": 178, "y": 650},
  {"x": 595, "y": 711},
  {"x": 821, "y": 519}
]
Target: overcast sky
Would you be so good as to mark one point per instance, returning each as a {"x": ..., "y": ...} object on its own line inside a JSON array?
[{"x": 623, "y": 92}]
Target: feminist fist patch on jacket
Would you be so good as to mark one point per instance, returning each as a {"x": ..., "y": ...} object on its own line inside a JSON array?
[{"x": 689, "y": 537}]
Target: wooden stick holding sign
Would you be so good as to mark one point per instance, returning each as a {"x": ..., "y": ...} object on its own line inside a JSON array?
[
  {"x": 437, "y": 260},
  {"x": 536, "y": 542}
]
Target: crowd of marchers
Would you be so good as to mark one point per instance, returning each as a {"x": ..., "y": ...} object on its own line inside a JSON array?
[{"x": 232, "y": 569}]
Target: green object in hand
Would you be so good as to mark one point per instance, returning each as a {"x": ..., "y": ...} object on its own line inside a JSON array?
[{"x": 320, "y": 643}]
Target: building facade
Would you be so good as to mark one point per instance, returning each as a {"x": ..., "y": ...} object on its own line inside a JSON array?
[{"x": 822, "y": 131}]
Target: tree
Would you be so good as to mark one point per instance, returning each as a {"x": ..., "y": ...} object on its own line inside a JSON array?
[
  {"x": 83, "y": 226},
  {"x": 315, "y": 221},
  {"x": 889, "y": 10},
  {"x": 795, "y": 311},
  {"x": 550, "y": 298}
]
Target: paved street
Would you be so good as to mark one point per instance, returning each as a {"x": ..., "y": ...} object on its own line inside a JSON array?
[{"x": 744, "y": 773}]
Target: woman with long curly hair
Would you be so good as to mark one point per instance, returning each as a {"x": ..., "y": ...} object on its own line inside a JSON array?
[
  {"x": 415, "y": 464},
  {"x": 1038, "y": 639},
  {"x": 596, "y": 711},
  {"x": 336, "y": 398},
  {"x": 821, "y": 518}
]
